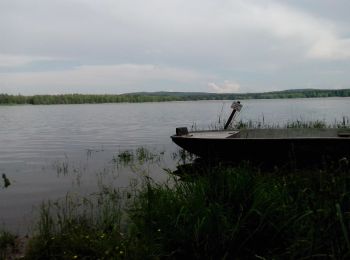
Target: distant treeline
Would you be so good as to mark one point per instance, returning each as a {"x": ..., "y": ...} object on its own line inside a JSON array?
[
  {"x": 80, "y": 99},
  {"x": 165, "y": 96}
]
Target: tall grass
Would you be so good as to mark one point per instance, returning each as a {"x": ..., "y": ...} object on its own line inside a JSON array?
[
  {"x": 7, "y": 244},
  {"x": 217, "y": 212},
  {"x": 243, "y": 213},
  {"x": 344, "y": 123},
  {"x": 262, "y": 124},
  {"x": 77, "y": 227}
]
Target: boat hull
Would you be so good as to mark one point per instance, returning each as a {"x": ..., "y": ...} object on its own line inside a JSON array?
[{"x": 274, "y": 150}]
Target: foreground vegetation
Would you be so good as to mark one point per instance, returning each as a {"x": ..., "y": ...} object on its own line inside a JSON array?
[
  {"x": 165, "y": 96},
  {"x": 203, "y": 211},
  {"x": 211, "y": 212},
  {"x": 7, "y": 244}
]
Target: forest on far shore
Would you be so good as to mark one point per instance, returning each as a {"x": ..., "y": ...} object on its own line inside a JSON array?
[{"x": 165, "y": 96}]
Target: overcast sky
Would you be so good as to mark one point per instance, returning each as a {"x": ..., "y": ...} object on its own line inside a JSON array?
[{"x": 119, "y": 46}]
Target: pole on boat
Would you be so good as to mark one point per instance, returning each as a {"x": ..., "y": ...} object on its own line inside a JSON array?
[{"x": 236, "y": 106}]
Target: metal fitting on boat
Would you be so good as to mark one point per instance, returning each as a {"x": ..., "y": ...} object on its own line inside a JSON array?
[{"x": 181, "y": 131}]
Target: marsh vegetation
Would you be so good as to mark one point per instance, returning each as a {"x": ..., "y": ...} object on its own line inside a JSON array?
[
  {"x": 206, "y": 211},
  {"x": 202, "y": 210}
]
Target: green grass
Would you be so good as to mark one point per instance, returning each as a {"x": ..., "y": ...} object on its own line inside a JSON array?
[
  {"x": 261, "y": 124},
  {"x": 217, "y": 212},
  {"x": 79, "y": 227},
  {"x": 7, "y": 244},
  {"x": 344, "y": 123}
]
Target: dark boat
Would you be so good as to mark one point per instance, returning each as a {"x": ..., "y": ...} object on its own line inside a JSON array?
[{"x": 300, "y": 145}]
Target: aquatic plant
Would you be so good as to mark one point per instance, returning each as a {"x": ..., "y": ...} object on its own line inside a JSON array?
[
  {"x": 6, "y": 180},
  {"x": 7, "y": 244},
  {"x": 79, "y": 227},
  {"x": 61, "y": 166},
  {"x": 219, "y": 211},
  {"x": 140, "y": 156},
  {"x": 124, "y": 157},
  {"x": 257, "y": 124},
  {"x": 305, "y": 124},
  {"x": 344, "y": 123}
]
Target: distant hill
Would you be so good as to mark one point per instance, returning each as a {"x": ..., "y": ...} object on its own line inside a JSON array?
[
  {"x": 168, "y": 93},
  {"x": 290, "y": 93},
  {"x": 176, "y": 94},
  {"x": 163, "y": 96}
]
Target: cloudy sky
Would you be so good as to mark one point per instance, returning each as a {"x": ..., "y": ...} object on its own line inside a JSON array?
[{"x": 119, "y": 46}]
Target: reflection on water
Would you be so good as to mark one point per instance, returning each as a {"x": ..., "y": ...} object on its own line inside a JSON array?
[{"x": 46, "y": 151}]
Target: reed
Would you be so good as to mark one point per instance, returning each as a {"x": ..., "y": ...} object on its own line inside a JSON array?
[
  {"x": 79, "y": 227},
  {"x": 262, "y": 124},
  {"x": 211, "y": 212},
  {"x": 7, "y": 244},
  {"x": 344, "y": 123}
]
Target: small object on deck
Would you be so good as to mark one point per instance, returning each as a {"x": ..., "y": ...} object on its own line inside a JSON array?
[
  {"x": 236, "y": 106},
  {"x": 181, "y": 131}
]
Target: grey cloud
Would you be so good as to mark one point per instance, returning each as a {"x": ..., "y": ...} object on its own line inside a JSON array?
[{"x": 258, "y": 44}]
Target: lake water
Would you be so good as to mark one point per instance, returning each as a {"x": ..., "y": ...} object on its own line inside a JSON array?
[{"x": 37, "y": 142}]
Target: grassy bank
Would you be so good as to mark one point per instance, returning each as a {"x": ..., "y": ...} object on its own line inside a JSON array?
[{"x": 217, "y": 212}]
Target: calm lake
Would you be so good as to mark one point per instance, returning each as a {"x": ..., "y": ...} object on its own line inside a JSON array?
[{"x": 47, "y": 151}]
